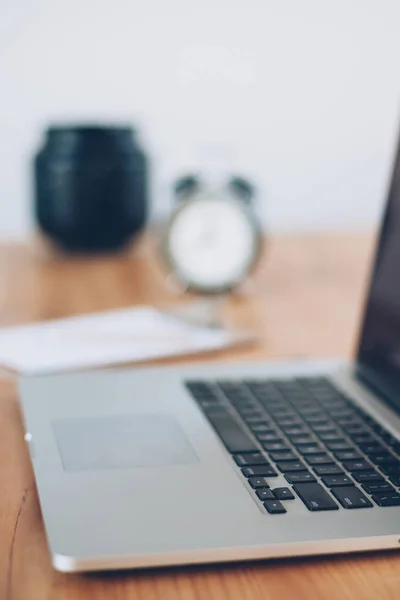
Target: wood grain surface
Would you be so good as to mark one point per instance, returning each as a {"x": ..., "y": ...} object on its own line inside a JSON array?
[{"x": 306, "y": 301}]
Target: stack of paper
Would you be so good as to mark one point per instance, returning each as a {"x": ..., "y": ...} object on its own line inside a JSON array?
[{"x": 131, "y": 335}]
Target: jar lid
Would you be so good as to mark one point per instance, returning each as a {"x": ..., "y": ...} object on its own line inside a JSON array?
[{"x": 73, "y": 135}]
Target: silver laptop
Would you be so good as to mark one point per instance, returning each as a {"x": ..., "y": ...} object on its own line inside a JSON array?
[{"x": 172, "y": 466}]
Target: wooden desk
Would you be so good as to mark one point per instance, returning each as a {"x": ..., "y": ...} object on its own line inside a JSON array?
[{"x": 309, "y": 293}]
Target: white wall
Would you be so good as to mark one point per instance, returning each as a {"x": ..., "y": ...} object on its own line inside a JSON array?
[{"x": 303, "y": 94}]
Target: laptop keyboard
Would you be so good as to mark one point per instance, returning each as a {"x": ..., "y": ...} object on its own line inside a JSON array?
[{"x": 331, "y": 453}]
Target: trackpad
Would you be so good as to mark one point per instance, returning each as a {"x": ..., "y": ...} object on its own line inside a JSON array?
[{"x": 122, "y": 442}]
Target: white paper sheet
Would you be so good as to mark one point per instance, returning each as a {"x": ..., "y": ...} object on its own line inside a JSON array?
[{"x": 100, "y": 339}]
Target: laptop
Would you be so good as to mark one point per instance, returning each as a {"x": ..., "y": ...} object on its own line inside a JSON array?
[{"x": 181, "y": 465}]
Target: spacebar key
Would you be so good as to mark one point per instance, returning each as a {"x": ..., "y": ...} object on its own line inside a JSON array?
[
  {"x": 315, "y": 497},
  {"x": 231, "y": 434}
]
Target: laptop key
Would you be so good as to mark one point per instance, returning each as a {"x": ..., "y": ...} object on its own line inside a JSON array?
[
  {"x": 337, "y": 481},
  {"x": 302, "y": 477},
  {"x": 356, "y": 465},
  {"x": 317, "y": 419},
  {"x": 348, "y": 455},
  {"x": 199, "y": 389},
  {"x": 315, "y": 497},
  {"x": 288, "y": 421},
  {"x": 283, "y": 456},
  {"x": 250, "y": 459},
  {"x": 302, "y": 440},
  {"x": 322, "y": 470},
  {"x": 349, "y": 419},
  {"x": 291, "y": 467},
  {"x": 392, "y": 499},
  {"x": 310, "y": 450},
  {"x": 276, "y": 447},
  {"x": 341, "y": 414},
  {"x": 283, "y": 493},
  {"x": 281, "y": 410},
  {"x": 351, "y": 497},
  {"x": 321, "y": 459},
  {"x": 253, "y": 418},
  {"x": 294, "y": 431},
  {"x": 232, "y": 389},
  {"x": 260, "y": 427},
  {"x": 249, "y": 412},
  {"x": 306, "y": 409},
  {"x": 339, "y": 446},
  {"x": 269, "y": 436},
  {"x": 274, "y": 507},
  {"x": 265, "y": 494},
  {"x": 372, "y": 448},
  {"x": 246, "y": 406},
  {"x": 392, "y": 469},
  {"x": 355, "y": 430},
  {"x": 329, "y": 436},
  {"x": 323, "y": 430},
  {"x": 234, "y": 438},
  {"x": 259, "y": 471},
  {"x": 258, "y": 482},
  {"x": 378, "y": 488},
  {"x": 395, "y": 446},
  {"x": 368, "y": 477},
  {"x": 388, "y": 437},
  {"x": 384, "y": 459},
  {"x": 395, "y": 479},
  {"x": 363, "y": 438}
]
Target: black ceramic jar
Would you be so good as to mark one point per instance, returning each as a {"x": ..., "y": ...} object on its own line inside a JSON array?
[{"x": 90, "y": 187}]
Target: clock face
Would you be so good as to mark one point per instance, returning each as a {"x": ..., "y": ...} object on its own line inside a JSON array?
[{"x": 212, "y": 243}]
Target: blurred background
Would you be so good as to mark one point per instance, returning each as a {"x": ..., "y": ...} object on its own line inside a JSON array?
[{"x": 303, "y": 95}]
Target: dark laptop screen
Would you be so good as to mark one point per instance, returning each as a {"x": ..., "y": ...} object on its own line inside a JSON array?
[{"x": 379, "y": 352}]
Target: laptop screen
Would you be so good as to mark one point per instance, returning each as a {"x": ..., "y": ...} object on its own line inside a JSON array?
[{"x": 379, "y": 351}]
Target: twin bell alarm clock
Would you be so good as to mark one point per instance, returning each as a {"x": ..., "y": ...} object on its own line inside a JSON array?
[{"x": 213, "y": 237}]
